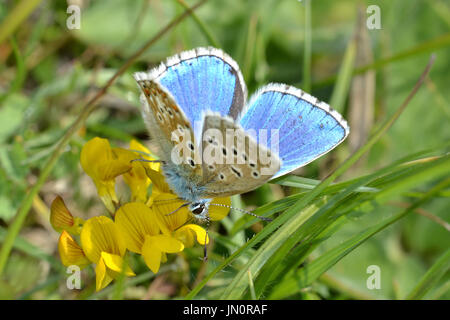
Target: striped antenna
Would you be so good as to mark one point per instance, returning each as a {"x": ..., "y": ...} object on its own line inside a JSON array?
[{"x": 241, "y": 210}]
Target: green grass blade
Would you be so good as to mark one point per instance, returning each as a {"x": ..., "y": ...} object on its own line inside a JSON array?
[
  {"x": 306, "y": 83},
  {"x": 431, "y": 277},
  {"x": 309, "y": 184},
  {"x": 321, "y": 227},
  {"x": 342, "y": 87},
  {"x": 20, "y": 12},
  {"x": 203, "y": 28},
  {"x": 307, "y": 275},
  {"x": 437, "y": 43}
]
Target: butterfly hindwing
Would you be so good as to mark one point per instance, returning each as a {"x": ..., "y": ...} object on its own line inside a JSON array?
[
  {"x": 232, "y": 162},
  {"x": 203, "y": 79},
  {"x": 308, "y": 128}
]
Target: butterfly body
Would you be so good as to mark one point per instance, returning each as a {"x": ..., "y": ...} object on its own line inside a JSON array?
[
  {"x": 213, "y": 143},
  {"x": 187, "y": 187}
]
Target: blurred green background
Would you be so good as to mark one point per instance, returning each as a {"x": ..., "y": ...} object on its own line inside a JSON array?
[{"x": 48, "y": 72}]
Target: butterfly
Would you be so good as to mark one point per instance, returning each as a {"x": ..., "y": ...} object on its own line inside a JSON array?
[{"x": 213, "y": 143}]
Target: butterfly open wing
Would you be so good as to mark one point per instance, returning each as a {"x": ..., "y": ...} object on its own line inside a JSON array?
[
  {"x": 203, "y": 79},
  {"x": 308, "y": 128},
  {"x": 233, "y": 161}
]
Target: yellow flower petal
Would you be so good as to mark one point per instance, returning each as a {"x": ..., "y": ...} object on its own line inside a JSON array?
[
  {"x": 169, "y": 209},
  {"x": 167, "y": 243},
  {"x": 136, "y": 178},
  {"x": 101, "y": 234},
  {"x": 158, "y": 180},
  {"x": 135, "y": 220},
  {"x": 70, "y": 252},
  {"x": 94, "y": 151},
  {"x": 112, "y": 169},
  {"x": 116, "y": 263},
  {"x": 102, "y": 279},
  {"x": 62, "y": 219},
  {"x": 152, "y": 255},
  {"x": 103, "y": 166},
  {"x": 187, "y": 233},
  {"x": 218, "y": 212},
  {"x": 155, "y": 246}
]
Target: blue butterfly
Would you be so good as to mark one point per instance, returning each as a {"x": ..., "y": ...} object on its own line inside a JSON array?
[{"x": 198, "y": 97}]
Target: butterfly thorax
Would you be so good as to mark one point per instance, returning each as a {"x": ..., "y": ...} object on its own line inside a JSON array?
[{"x": 186, "y": 188}]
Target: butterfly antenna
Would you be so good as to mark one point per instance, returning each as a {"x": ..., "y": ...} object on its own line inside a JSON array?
[
  {"x": 182, "y": 206},
  {"x": 241, "y": 210}
]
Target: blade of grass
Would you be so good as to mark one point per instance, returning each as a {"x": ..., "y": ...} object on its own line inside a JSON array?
[
  {"x": 15, "y": 18},
  {"x": 86, "y": 111},
  {"x": 21, "y": 71},
  {"x": 206, "y": 32},
  {"x": 306, "y": 233},
  {"x": 342, "y": 87},
  {"x": 431, "y": 277},
  {"x": 306, "y": 81},
  {"x": 28, "y": 248},
  {"x": 322, "y": 226},
  {"x": 293, "y": 210},
  {"x": 309, "y": 184},
  {"x": 250, "y": 285},
  {"x": 250, "y": 46},
  {"x": 307, "y": 275},
  {"x": 427, "y": 46}
]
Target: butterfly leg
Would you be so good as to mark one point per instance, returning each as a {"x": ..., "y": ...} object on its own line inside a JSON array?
[
  {"x": 205, "y": 248},
  {"x": 145, "y": 160}
]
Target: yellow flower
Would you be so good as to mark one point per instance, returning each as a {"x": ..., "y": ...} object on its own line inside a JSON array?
[
  {"x": 61, "y": 218},
  {"x": 140, "y": 228},
  {"x": 136, "y": 178},
  {"x": 70, "y": 252},
  {"x": 103, "y": 166},
  {"x": 150, "y": 226},
  {"x": 103, "y": 245}
]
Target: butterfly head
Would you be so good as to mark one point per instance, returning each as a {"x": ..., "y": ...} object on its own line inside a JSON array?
[{"x": 200, "y": 209}]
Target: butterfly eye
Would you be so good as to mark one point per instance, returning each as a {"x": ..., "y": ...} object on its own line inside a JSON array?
[{"x": 198, "y": 210}]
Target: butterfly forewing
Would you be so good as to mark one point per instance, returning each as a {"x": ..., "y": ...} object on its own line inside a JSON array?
[{"x": 168, "y": 126}]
